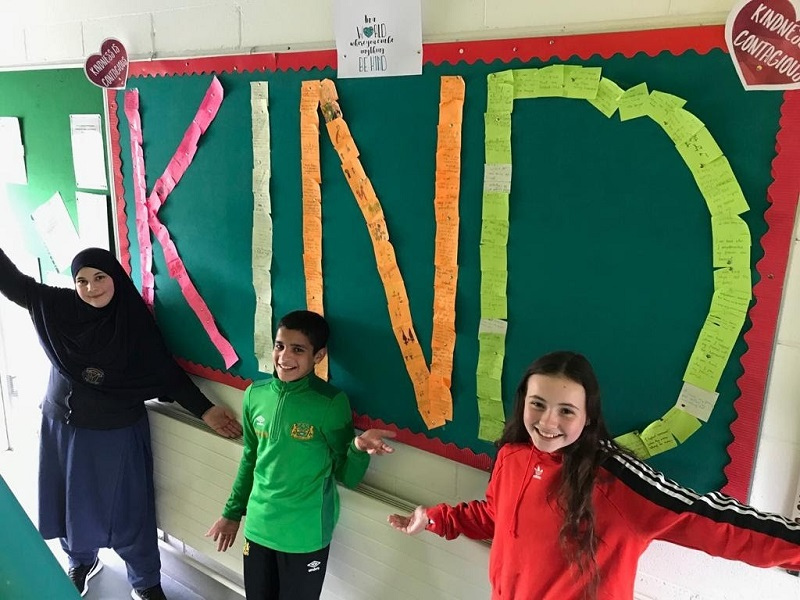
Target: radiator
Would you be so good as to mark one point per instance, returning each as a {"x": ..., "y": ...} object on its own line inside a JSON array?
[{"x": 194, "y": 470}]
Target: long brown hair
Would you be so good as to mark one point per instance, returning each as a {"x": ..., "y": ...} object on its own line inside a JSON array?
[{"x": 582, "y": 459}]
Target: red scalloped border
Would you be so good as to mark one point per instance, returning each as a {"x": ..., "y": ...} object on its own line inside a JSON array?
[
  {"x": 776, "y": 242},
  {"x": 654, "y": 41}
]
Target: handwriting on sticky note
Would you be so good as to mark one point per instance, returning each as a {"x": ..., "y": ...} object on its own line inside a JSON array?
[
  {"x": 658, "y": 438},
  {"x": 696, "y": 401}
]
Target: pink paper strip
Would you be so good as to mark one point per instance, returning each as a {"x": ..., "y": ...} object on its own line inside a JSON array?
[
  {"x": 178, "y": 272},
  {"x": 140, "y": 197},
  {"x": 175, "y": 169}
]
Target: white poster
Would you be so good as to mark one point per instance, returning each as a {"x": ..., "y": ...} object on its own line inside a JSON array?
[
  {"x": 378, "y": 38},
  {"x": 56, "y": 230},
  {"x": 12, "y": 152},
  {"x": 87, "y": 152}
]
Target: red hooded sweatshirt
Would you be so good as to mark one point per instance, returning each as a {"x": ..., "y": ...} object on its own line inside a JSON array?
[{"x": 633, "y": 505}]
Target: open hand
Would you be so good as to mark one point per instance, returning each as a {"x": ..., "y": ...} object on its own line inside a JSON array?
[
  {"x": 223, "y": 421},
  {"x": 413, "y": 523},
  {"x": 371, "y": 441},
  {"x": 223, "y": 531}
]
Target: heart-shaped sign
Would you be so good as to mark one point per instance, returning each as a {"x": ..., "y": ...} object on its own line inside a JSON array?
[
  {"x": 108, "y": 68},
  {"x": 763, "y": 38},
  {"x": 368, "y": 31}
]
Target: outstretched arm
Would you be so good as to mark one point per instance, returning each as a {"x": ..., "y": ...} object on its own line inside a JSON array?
[
  {"x": 413, "y": 523},
  {"x": 223, "y": 421},
  {"x": 372, "y": 442}
]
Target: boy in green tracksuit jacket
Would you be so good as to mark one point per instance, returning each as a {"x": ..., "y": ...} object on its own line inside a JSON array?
[{"x": 298, "y": 441}]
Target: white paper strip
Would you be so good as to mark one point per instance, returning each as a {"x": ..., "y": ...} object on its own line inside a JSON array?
[{"x": 262, "y": 226}]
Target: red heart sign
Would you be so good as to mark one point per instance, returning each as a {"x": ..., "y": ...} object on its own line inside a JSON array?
[
  {"x": 763, "y": 39},
  {"x": 109, "y": 68}
]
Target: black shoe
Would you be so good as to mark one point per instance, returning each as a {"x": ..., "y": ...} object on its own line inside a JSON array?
[
  {"x": 151, "y": 593},
  {"x": 81, "y": 575}
]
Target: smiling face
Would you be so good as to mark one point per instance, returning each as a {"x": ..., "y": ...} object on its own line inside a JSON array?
[
  {"x": 555, "y": 411},
  {"x": 94, "y": 287},
  {"x": 293, "y": 355}
]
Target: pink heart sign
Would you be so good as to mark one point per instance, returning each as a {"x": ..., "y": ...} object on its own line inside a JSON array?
[
  {"x": 763, "y": 38},
  {"x": 108, "y": 68}
]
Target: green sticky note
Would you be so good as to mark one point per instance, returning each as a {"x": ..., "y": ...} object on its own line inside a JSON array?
[
  {"x": 494, "y": 307},
  {"x": 680, "y": 124},
  {"x": 737, "y": 278},
  {"x": 492, "y": 343},
  {"x": 500, "y": 91},
  {"x": 490, "y": 364},
  {"x": 660, "y": 105},
  {"x": 490, "y": 408},
  {"x": 494, "y": 282},
  {"x": 699, "y": 149},
  {"x": 495, "y": 206},
  {"x": 709, "y": 357},
  {"x": 551, "y": 81},
  {"x": 488, "y": 387},
  {"x": 719, "y": 187},
  {"x": 581, "y": 82},
  {"x": 657, "y": 438},
  {"x": 494, "y": 232},
  {"x": 526, "y": 83},
  {"x": 634, "y": 102},
  {"x": 490, "y": 430},
  {"x": 494, "y": 257},
  {"x": 731, "y": 243},
  {"x": 633, "y": 444},
  {"x": 607, "y": 98},
  {"x": 498, "y": 151},
  {"x": 680, "y": 423}
]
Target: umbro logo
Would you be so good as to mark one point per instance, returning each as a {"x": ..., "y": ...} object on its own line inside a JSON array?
[
  {"x": 260, "y": 420},
  {"x": 314, "y": 565}
]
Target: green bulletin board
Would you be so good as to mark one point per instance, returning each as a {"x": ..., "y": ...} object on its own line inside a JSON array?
[
  {"x": 609, "y": 250},
  {"x": 43, "y": 100}
]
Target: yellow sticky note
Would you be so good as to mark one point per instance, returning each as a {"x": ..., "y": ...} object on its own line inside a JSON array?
[
  {"x": 680, "y": 423},
  {"x": 634, "y": 102},
  {"x": 488, "y": 387},
  {"x": 680, "y": 124},
  {"x": 658, "y": 438},
  {"x": 633, "y": 444},
  {"x": 494, "y": 232}
]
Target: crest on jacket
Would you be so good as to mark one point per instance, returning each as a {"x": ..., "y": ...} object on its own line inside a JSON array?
[{"x": 302, "y": 431}]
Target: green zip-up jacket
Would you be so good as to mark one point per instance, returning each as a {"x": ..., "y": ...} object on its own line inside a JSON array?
[{"x": 298, "y": 441}]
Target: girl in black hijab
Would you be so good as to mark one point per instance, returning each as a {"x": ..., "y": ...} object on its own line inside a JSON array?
[{"x": 95, "y": 462}]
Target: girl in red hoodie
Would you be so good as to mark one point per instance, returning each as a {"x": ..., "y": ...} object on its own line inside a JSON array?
[{"x": 570, "y": 513}]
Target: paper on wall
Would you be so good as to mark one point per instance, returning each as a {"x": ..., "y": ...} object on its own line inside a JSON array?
[
  {"x": 88, "y": 158},
  {"x": 93, "y": 229},
  {"x": 57, "y": 231},
  {"x": 12, "y": 152},
  {"x": 262, "y": 226}
]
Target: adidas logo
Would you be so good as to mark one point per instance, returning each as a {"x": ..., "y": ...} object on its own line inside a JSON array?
[{"x": 313, "y": 566}]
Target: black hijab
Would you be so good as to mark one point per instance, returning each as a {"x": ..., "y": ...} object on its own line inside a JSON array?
[{"x": 117, "y": 348}]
